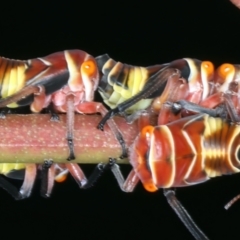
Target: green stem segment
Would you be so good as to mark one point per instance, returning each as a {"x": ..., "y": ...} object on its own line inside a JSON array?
[{"x": 33, "y": 138}]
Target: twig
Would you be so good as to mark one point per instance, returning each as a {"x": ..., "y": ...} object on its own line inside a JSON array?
[{"x": 33, "y": 138}]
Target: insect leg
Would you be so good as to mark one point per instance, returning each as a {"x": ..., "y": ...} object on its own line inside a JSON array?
[
  {"x": 114, "y": 128},
  {"x": 144, "y": 117},
  {"x": 183, "y": 215},
  {"x": 93, "y": 107},
  {"x": 29, "y": 179},
  {"x": 18, "y": 96},
  {"x": 132, "y": 117},
  {"x": 127, "y": 185},
  {"x": 78, "y": 175},
  {"x": 176, "y": 107},
  {"x": 219, "y": 111},
  {"x": 3, "y": 113},
  {"x": 54, "y": 116},
  {"x": 70, "y": 125},
  {"x": 231, "y": 202},
  {"x": 47, "y": 178}
]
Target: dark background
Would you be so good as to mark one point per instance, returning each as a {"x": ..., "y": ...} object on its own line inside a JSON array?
[{"x": 138, "y": 33}]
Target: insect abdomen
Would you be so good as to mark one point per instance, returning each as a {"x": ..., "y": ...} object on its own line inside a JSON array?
[
  {"x": 11, "y": 77},
  {"x": 122, "y": 81}
]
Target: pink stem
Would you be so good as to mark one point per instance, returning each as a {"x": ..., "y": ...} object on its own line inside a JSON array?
[{"x": 33, "y": 138}]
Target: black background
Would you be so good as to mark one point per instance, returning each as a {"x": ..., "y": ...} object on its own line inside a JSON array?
[{"x": 138, "y": 33}]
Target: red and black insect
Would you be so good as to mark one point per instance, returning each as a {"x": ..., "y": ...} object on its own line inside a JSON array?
[
  {"x": 67, "y": 80},
  {"x": 182, "y": 153},
  {"x": 224, "y": 96},
  {"x": 181, "y": 79},
  {"x": 202, "y": 87}
]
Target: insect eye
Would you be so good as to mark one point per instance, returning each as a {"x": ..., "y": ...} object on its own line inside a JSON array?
[
  {"x": 150, "y": 187},
  {"x": 208, "y": 66},
  {"x": 89, "y": 67},
  {"x": 225, "y": 69},
  {"x": 147, "y": 130}
]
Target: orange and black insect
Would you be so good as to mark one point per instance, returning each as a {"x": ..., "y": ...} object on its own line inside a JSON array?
[
  {"x": 120, "y": 81},
  {"x": 224, "y": 96},
  {"x": 67, "y": 80},
  {"x": 182, "y": 153},
  {"x": 201, "y": 87},
  {"x": 129, "y": 89}
]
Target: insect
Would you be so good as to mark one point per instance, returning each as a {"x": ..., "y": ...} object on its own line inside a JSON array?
[
  {"x": 67, "y": 80},
  {"x": 200, "y": 87},
  {"x": 226, "y": 92},
  {"x": 224, "y": 97},
  {"x": 188, "y": 151},
  {"x": 120, "y": 82},
  {"x": 181, "y": 79}
]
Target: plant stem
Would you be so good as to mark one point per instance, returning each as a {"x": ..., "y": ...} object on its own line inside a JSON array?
[{"x": 33, "y": 138}]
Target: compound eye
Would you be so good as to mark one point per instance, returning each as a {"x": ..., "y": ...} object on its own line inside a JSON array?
[
  {"x": 208, "y": 66},
  {"x": 89, "y": 67},
  {"x": 147, "y": 131},
  {"x": 225, "y": 69}
]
